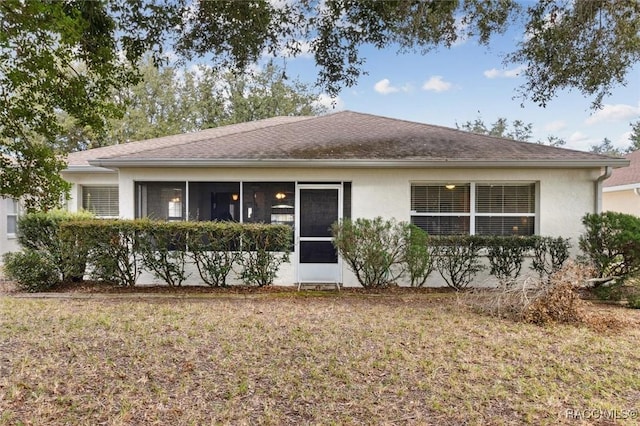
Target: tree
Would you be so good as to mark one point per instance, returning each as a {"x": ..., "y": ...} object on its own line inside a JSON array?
[
  {"x": 635, "y": 137},
  {"x": 171, "y": 101},
  {"x": 518, "y": 130},
  {"x": 44, "y": 46},
  {"x": 606, "y": 148}
]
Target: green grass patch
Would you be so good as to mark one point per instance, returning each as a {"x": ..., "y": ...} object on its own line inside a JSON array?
[{"x": 310, "y": 359}]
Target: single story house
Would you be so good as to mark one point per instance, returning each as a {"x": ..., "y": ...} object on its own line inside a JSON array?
[
  {"x": 308, "y": 172},
  {"x": 621, "y": 192}
]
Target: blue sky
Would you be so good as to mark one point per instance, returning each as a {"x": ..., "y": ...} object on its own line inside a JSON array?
[{"x": 450, "y": 86}]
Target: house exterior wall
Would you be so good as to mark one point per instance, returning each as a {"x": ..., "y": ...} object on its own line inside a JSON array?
[
  {"x": 563, "y": 197},
  {"x": 7, "y": 243},
  {"x": 625, "y": 201},
  {"x": 74, "y": 204}
]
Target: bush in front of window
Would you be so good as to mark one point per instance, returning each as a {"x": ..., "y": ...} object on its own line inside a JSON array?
[
  {"x": 114, "y": 254},
  {"x": 506, "y": 255},
  {"x": 458, "y": 259},
  {"x": 32, "y": 270},
  {"x": 418, "y": 255},
  {"x": 264, "y": 249},
  {"x": 163, "y": 246},
  {"x": 41, "y": 232},
  {"x": 215, "y": 248},
  {"x": 374, "y": 249},
  {"x": 549, "y": 255}
]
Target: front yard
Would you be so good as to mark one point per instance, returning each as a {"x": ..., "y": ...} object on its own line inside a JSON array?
[{"x": 290, "y": 359}]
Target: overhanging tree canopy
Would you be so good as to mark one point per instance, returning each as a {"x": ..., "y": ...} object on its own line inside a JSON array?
[{"x": 69, "y": 56}]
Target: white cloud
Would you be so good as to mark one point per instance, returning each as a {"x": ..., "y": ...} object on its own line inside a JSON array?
[
  {"x": 624, "y": 140},
  {"x": 617, "y": 112},
  {"x": 578, "y": 140},
  {"x": 384, "y": 87},
  {"x": 555, "y": 126},
  {"x": 436, "y": 84},
  {"x": 512, "y": 73},
  {"x": 332, "y": 104}
]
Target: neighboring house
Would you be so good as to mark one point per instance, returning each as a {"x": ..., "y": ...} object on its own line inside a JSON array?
[
  {"x": 621, "y": 192},
  {"x": 310, "y": 171}
]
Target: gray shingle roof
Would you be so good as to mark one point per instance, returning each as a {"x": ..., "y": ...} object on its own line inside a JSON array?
[
  {"x": 343, "y": 136},
  {"x": 626, "y": 175}
]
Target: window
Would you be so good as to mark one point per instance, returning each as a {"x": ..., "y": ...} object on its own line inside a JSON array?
[
  {"x": 214, "y": 201},
  {"x": 161, "y": 200},
  {"x": 441, "y": 209},
  {"x": 269, "y": 202},
  {"x": 12, "y": 217},
  {"x": 474, "y": 208},
  {"x": 507, "y": 209},
  {"x": 101, "y": 200}
]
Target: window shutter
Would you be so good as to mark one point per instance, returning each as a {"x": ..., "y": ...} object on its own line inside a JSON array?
[{"x": 101, "y": 200}]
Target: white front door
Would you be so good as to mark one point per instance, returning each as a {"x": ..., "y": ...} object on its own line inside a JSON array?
[{"x": 319, "y": 205}]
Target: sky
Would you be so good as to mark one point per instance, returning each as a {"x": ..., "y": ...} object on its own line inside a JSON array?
[{"x": 469, "y": 81}]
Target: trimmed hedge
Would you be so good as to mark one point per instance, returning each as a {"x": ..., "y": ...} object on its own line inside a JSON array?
[
  {"x": 379, "y": 251},
  {"x": 120, "y": 249},
  {"x": 41, "y": 232}
]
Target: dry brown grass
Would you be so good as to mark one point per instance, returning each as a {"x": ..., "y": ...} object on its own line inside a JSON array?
[{"x": 293, "y": 360}]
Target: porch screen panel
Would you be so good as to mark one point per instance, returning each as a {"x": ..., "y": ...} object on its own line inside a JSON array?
[
  {"x": 161, "y": 200},
  {"x": 268, "y": 202},
  {"x": 217, "y": 201},
  {"x": 505, "y": 209},
  {"x": 103, "y": 201}
]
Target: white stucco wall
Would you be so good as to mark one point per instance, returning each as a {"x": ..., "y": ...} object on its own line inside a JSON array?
[
  {"x": 79, "y": 180},
  {"x": 625, "y": 201},
  {"x": 7, "y": 243},
  {"x": 564, "y": 195}
]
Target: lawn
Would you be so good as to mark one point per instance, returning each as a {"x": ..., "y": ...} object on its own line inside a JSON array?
[{"x": 347, "y": 359}]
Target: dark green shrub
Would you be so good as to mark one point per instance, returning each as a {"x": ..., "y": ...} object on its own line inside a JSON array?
[
  {"x": 634, "y": 301},
  {"x": 215, "y": 249},
  {"x": 549, "y": 255},
  {"x": 372, "y": 248},
  {"x": 265, "y": 248},
  {"x": 32, "y": 270},
  {"x": 418, "y": 258},
  {"x": 114, "y": 249},
  {"x": 42, "y": 232},
  {"x": 611, "y": 243},
  {"x": 163, "y": 248},
  {"x": 457, "y": 259},
  {"x": 505, "y": 255}
]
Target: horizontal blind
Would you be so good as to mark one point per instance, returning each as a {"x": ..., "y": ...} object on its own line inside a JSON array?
[
  {"x": 516, "y": 198},
  {"x": 439, "y": 199},
  {"x": 12, "y": 215},
  {"x": 101, "y": 200},
  {"x": 442, "y": 225}
]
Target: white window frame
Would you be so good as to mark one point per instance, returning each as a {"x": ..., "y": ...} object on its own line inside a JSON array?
[
  {"x": 473, "y": 207},
  {"x": 89, "y": 187},
  {"x": 12, "y": 211}
]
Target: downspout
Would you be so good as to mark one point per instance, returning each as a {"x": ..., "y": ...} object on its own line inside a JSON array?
[{"x": 598, "y": 188}]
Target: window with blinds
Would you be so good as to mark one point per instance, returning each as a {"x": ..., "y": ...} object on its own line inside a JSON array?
[
  {"x": 12, "y": 216},
  {"x": 101, "y": 200},
  {"x": 505, "y": 209},
  {"x": 474, "y": 208},
  {"x": 441, "y": 209}
]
